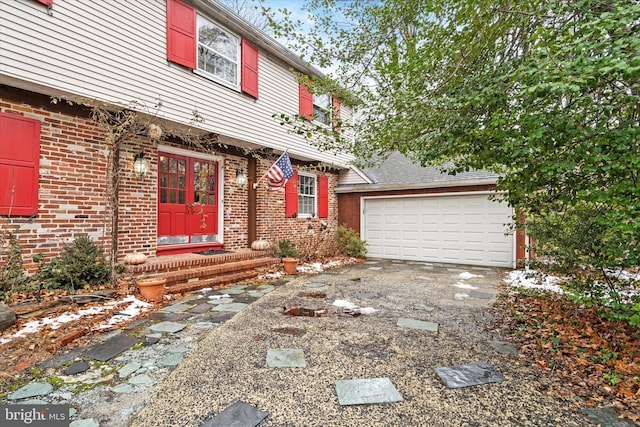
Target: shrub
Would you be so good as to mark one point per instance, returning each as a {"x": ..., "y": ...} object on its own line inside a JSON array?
[
  {"x": 81, "y": 264},
  {"x": 286, "y": 249},
  {"x": 350, "y": 243},
  {"x": 12, "y": 275}
]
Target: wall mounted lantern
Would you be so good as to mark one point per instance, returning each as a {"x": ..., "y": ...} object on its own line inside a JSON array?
[
  {"x": 140, "y": 165},
  {"x": 241, "y": 178}
]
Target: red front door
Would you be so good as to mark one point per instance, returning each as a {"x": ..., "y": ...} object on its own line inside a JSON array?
[{"x": 187, "y": 203}]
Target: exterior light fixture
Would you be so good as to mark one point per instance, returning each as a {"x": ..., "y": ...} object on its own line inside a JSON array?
[
  {"x": 241, "y": 178},
  {"x": 140, "y": 165}
]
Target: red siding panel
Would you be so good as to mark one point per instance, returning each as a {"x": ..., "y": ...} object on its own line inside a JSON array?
[
  {"x": 336, "y": 114},
  {"x": 323, "y": 197},
  {"x": 19, "y": 163},
  {"x": 181, "y": 33},
  {"x": 306, "y": 102},
  {"x": 249, "y": 78},
  {"x": 291, "y": 196}
]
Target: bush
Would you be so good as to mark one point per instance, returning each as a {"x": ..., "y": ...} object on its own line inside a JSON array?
[
  {"x": 12, "y": 276},
  {"x": 350, "y": 243},
  {"x": 79, "y": 265},
  {"x": 286, "y": 249}
]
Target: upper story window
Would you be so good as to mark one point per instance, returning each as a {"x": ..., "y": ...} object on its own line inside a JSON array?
[
  {"x": 307, "y": 195},
  {"x": 322, "y": 109},
  {"x": 218, "y": 52}
]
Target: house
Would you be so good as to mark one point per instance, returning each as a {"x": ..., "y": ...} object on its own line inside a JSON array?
[
  {"x": 406, "y": 211},
  {"x": 203, "y": 86}
]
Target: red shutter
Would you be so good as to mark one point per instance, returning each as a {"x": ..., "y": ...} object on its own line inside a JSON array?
[
  {"x": 323, "y": 197},
  {"x": 48, "y": 3},
  {"x": 306, "y": 102},
  {"x": 181, "y": 33},
  {"x": 336, "y": 114},
  {"x": 249, "y": 78},
  {"x": 291, "y": 196},
  {"x": 19, "y": 163}
]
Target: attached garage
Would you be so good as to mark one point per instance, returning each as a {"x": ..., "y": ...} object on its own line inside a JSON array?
[
  {"x": 408, "y": 212},
  {"x": 462, "y": 228}
]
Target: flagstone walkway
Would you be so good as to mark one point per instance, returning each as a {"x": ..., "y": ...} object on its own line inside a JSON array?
[{"x": 378, "y": 343}]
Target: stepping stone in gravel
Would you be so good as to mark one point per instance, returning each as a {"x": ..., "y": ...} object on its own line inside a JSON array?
[
  {"x": 77, "y": 368},
  {"x": 175, "y": 308},
  {"x": 417, "y": 324},
  {"x": 128, "y": 369},
  {"x": 122, "y": 388},
  {"x": 286, "y": 358},
  {"x": 143, "y": 380},
  {"x": 422, "y": 307},
  {"x": 366, "y": 391},
  {"x": 365, "y": 295},
  {"x": 234, "y": 307},
  {"x": 480, "y": 295},
  {"x": 31, "y": 390},
  {"x": 200, "y": 308},
  {"x": 111, "y": 347},
  {"x": 173, "y": 359},
  {"x": 58, "y": 361},
  {"x": 89, "y": 422},
  {"x": 315, "y": 285},
  {"x": 168, "y": 327},
  {"x": 607, "y": 417},
  {"x": 169, "y": 317},
  {"x": 239, "y": 414},
  {"x": 151, "y": 340},
  {"x": 220, "y": 301},
  {"x": 503, "y": 347},
  {"x": 469, "y": 375},
  {"x": 135, "y": 324},
  {"x": 179, "y": 350}
]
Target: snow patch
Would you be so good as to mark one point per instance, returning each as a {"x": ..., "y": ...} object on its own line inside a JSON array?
[
  {"x": 466, "y": 275},
  {"x": 465, "y": 286},
  {"x": 353, "y": 308},
  {"x": 531, "y": 279}
]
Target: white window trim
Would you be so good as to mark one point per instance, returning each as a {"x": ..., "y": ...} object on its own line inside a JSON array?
[
  {"x": 315, "y": 208},
  {"x": 329, "y": 111},
  {"x": 211, "y": 76}
]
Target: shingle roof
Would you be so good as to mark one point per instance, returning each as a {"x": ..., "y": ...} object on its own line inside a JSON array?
[{"x": 397, "y": 169}]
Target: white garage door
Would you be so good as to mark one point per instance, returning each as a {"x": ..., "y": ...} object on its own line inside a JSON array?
[{"x": 464, "y": 229}]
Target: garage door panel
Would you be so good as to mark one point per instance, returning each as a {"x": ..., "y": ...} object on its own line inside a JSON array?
[{"x": 454, "y": 228}]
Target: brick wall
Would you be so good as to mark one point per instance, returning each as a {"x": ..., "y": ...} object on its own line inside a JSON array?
[{"x": 75, "y": 179}]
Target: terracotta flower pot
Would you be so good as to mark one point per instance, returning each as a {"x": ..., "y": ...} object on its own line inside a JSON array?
[
  {"x": 290, "y": 265},
  {"x": 151, "y": 289}
]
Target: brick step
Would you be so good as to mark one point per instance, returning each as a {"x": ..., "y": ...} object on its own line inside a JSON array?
[
  {"x": 213, "y": 282},
  {"x": 212, "y": 275}
]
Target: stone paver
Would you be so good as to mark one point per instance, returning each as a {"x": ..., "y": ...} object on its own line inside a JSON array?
[
  {"x": 168, "y": 327},
  {"x": 129, "y": 369},
  {"x": 403, "y": 322},
  {"x": 469, "y": 375},
  {"x": 142, "y": 379},
  {"x": 239, "y": 414},
  {"x": 504, "y": 347},
  {"x": 175, "y": 308},
  {"x": 171, "y": 360},
  {"x": 233, "y": 307},
  {"x": 77, "y": 367},
  {"x": 31, "y": 390},
  {"x": 226, "y": 300},
  {"x": 366, "y": 391},
  {"x": 286, "y": 358},
  {"x": 111, "y": 348}
]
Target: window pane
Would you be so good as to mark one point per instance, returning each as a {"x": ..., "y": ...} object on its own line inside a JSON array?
[
  {"x": 182, "y": 181},
  {"x": 172, "y": 181},
  {"x": 172, "y": 196},
  {"x": 163, "y": 196},
  {"x": 181, "y": 197},
  {"x": 217, "y": 51},
  {"x": 164, "y": 180},
  {"x": 173, "y": 165},
  {"x": 182, "y": 166},
  {"x": 164, "y": 163}
]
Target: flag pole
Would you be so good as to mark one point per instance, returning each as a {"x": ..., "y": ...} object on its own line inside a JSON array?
[{"x": 255, "y": 184}]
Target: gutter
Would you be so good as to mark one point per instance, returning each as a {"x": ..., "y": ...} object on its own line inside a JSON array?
[{"x": 364, "y": 188}]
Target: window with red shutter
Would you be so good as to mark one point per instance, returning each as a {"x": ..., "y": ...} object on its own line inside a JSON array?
[
  {"x": 323, "y": 197},
  {"x": 181, "y": 33},
  {"x": 19, "y": 164},
  {"x": 249, "y": 78},
  {"x": 306, "y": 102},
  {"x": 291, "y": 196}
]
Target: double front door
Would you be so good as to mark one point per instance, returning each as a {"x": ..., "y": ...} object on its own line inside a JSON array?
[{"x": 187, "y": 201}]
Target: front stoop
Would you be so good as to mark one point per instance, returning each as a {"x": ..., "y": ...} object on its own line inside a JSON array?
[{"x": 190, "y": 272}]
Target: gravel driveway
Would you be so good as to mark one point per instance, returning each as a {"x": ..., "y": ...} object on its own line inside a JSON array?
[{"x": 229, "y": 365}]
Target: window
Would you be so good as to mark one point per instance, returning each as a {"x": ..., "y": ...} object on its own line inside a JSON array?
[
  {"x": 19, "y": 165},
  {"x": 307, "y": 195},
  {"x": 218, "y": 52},
  {"x": 322, "y": 109}
]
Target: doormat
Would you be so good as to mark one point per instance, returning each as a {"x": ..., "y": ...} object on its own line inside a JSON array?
[{"x": 212, "y": 252}]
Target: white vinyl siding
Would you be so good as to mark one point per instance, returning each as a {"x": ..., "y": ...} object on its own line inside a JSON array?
[{"x": 114, "y": 51}]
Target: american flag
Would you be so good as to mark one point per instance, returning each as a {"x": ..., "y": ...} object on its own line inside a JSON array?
[{"x": 280, "y": 172}]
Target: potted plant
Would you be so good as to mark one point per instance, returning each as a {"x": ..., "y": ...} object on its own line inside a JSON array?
[
  {"x": 289, "y": 255},
  {"x": 151, "y": 288}
]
